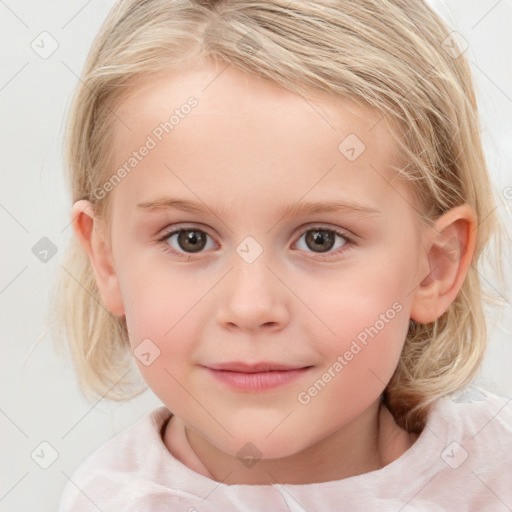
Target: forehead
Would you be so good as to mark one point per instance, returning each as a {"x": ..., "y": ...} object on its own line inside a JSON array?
[
  {"x": 224, "y": 91},
  {"x": 246, "y": 134}
]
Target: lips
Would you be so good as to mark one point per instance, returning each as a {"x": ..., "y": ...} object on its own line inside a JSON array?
[
  {"x": 265, "y": 366},
  {"x": 257, "y": 377}
]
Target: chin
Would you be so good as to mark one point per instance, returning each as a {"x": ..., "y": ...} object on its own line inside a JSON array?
[
  {"x": 251, "y": 451},
  {"x": 256, "y": 442}
]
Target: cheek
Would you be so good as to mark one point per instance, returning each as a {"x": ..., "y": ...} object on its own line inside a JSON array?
[
  {"x": 157, "y": 299},
  {"x": 359, "y": 362},
  {"x": 366, "y": 349},
  {"x": 160, "y": 308},
  {"x": 375, "y": 298},
  {"x": 364, "y": 321}
]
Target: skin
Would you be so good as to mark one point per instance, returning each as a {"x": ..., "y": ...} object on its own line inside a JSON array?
[{"x": 247, "y": 150}]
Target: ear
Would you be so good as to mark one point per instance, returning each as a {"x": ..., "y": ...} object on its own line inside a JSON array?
[
  {"x": 446, "y": 260},
  {"x": 89, "y": 232}
]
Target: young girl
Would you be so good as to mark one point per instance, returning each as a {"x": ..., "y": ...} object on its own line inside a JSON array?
[{"x": 280, "y": 209}]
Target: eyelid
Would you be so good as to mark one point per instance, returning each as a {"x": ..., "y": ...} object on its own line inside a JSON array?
[
  {"x": 175, "y": 229},
  {"x": 300, "y": 230},
  {"x": 327, "y": 227}
]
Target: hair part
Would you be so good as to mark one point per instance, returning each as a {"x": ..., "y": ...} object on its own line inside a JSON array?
[{"x": 382, "y": 54}]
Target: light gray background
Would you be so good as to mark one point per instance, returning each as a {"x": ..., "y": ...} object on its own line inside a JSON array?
[{"x": 40, "y": 400}]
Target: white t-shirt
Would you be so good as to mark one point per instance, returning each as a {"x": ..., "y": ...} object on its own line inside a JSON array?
[{"x": 462, "y": 461}]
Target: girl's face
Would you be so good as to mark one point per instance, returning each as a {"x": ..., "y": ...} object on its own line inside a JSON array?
[{"x": 298, "y": 249}]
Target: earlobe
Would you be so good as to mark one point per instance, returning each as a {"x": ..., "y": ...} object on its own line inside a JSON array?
[
  {"x": 92, "y": 239},
  {"x": 447, "y": 258}
]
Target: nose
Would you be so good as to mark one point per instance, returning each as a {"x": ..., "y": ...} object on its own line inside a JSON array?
[{"x": 253, "y": 297}]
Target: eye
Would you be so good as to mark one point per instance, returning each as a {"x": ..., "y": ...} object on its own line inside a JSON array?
[
  {"x": 190, "y": 240},
  {"x": 322, "y": 240},
  {"x": 186, "y": 240}
]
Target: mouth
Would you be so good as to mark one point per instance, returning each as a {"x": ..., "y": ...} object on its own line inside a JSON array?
[
  {"x": 255, "y": 377},
  {"x": 264, "y": 366}
]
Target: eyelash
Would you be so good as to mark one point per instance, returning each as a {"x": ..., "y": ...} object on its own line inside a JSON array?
[{"x": 167, "y": 248}]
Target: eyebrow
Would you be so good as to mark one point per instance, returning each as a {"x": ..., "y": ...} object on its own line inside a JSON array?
[{"x": 170, "y": 203}]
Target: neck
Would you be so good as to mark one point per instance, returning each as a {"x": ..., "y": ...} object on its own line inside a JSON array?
[{"x": 368, "y": 443}]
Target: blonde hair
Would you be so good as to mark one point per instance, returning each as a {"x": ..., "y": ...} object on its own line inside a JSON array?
[{"x": 385, "y": 54}]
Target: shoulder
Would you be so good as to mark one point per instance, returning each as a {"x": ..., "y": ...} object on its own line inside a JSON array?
[
  {"x": 124, "y": 451},
  {"x": 118, "y": 467},
  {"x": 473, "y": 432},
  {"x": 474, "y": 418},
  {"x": 475, "y": 411},
  {"x": 462, "y": 460}
]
